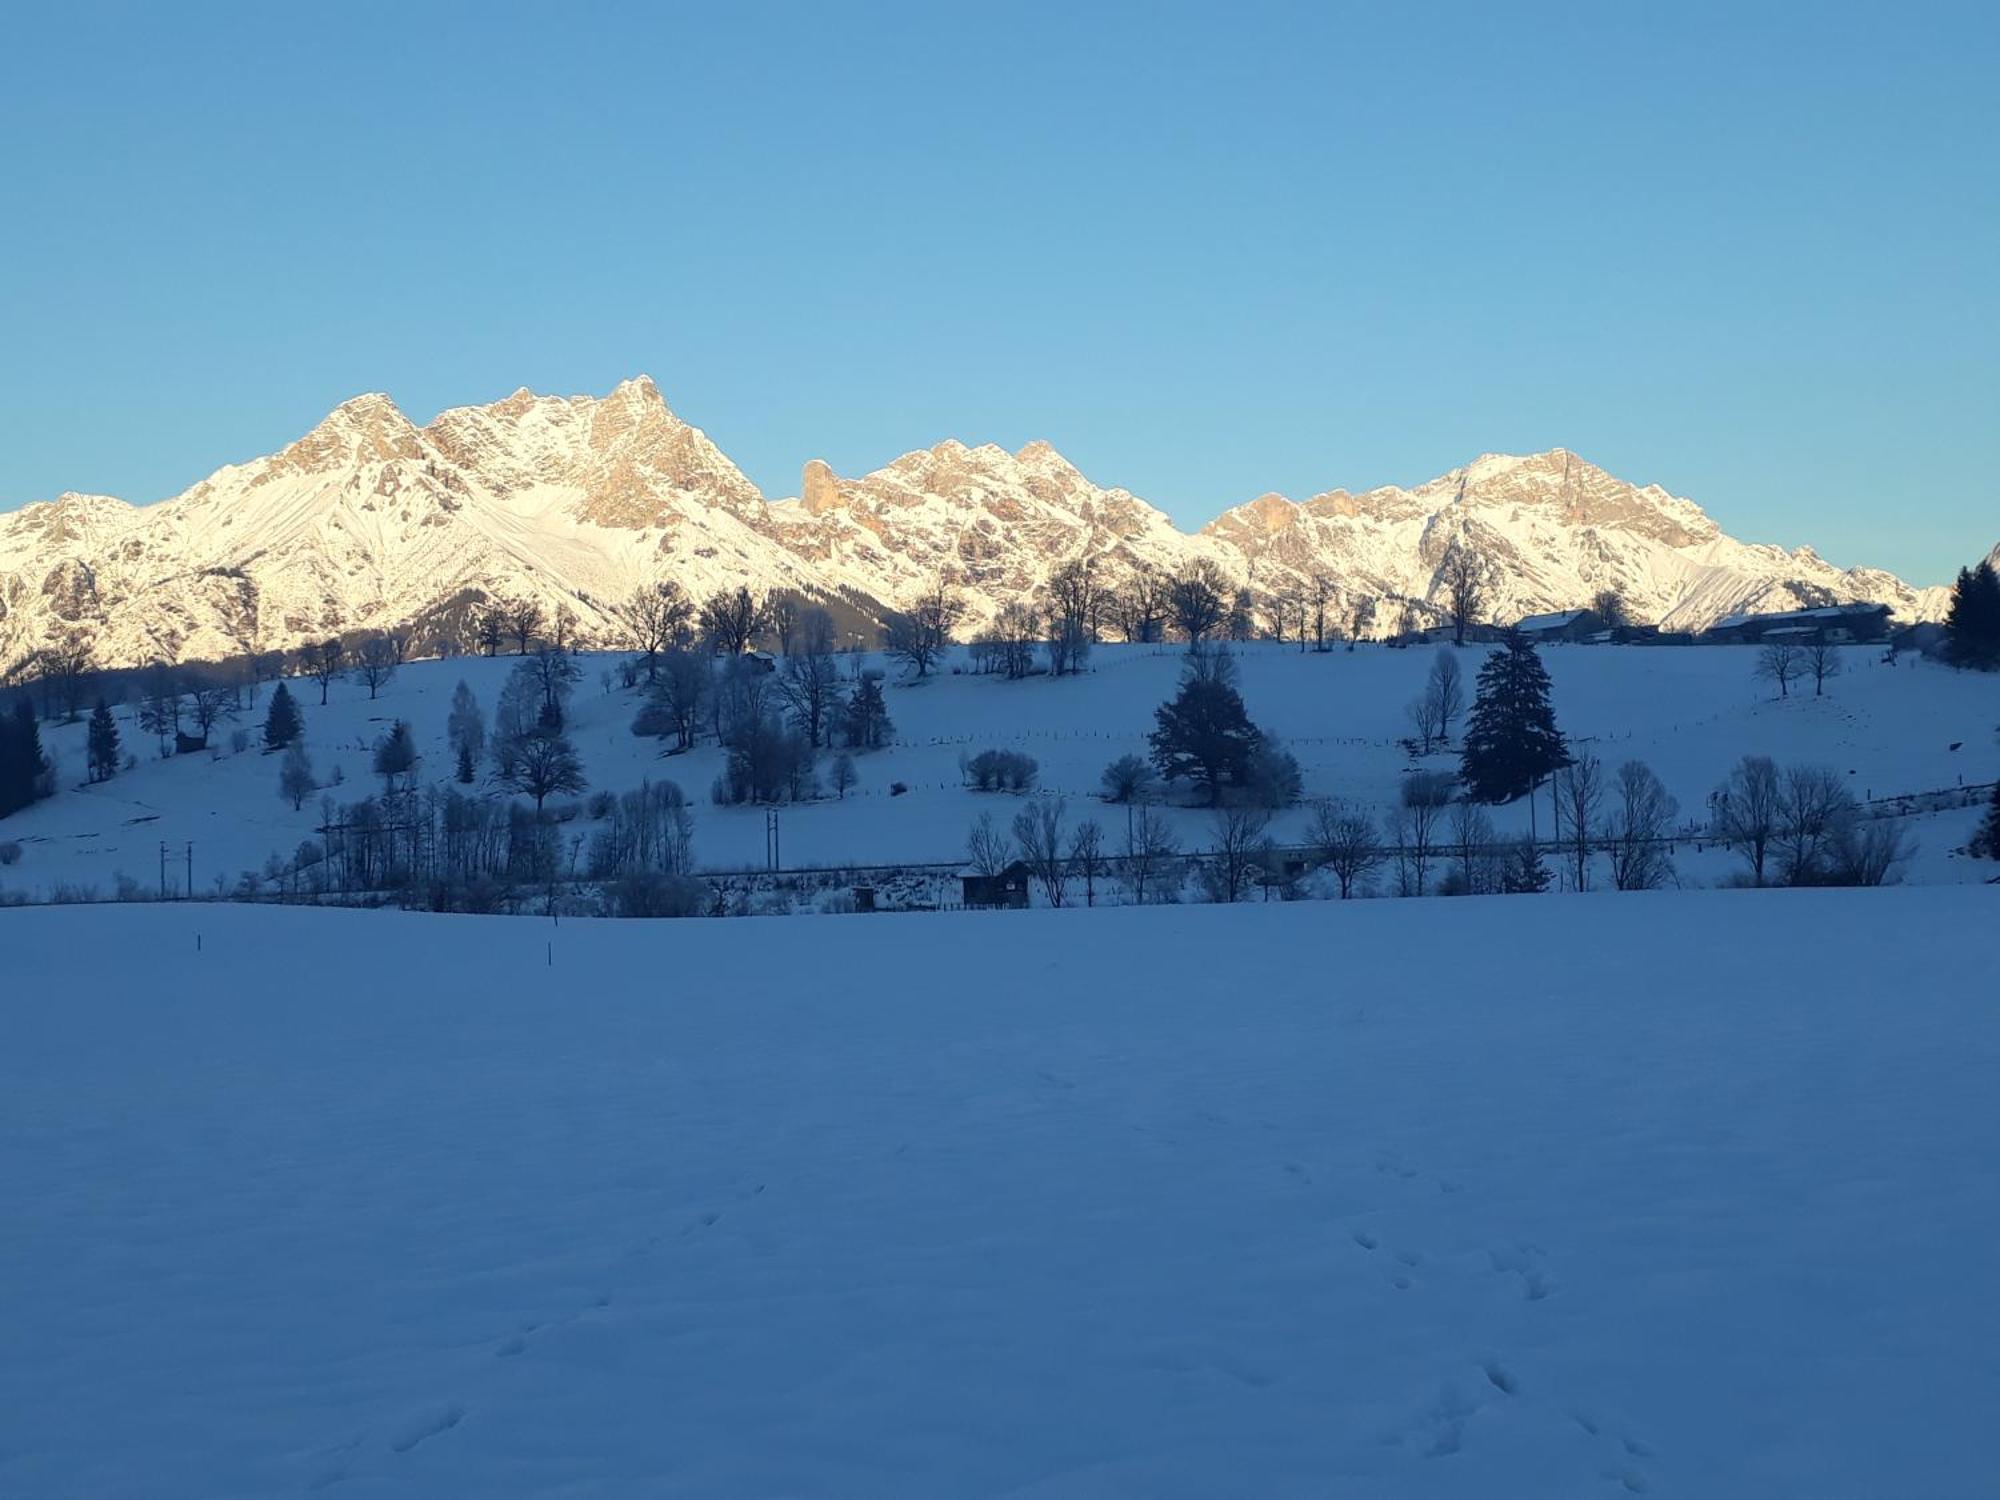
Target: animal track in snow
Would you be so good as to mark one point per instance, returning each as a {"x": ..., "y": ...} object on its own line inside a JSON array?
[
  {"x": 423, "y": 1428},
  {"x": 1525, "y": 1261}
]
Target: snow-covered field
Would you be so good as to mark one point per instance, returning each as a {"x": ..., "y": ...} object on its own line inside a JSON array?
[
  {"x": 1419, "y": 1198},
  {"x": 1690, "y": 713}
]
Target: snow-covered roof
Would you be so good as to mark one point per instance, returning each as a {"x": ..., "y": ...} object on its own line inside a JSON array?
[
  {"x": 1556, "y": 621},
  {"x": 1820, "y": 612}
]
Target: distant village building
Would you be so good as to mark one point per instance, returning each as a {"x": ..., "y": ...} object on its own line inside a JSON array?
[
  {"x": 1007, "y": 889},
  {"x": 761, "y": 661},
  {"x": 1564, "y": 625},
  {"x": 1832, "y": 623}
]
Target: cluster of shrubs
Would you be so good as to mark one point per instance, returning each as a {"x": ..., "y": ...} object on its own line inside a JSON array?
[{"x": 1000, "y": 771}]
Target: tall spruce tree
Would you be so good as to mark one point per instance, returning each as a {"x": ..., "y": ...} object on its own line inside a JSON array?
[
  {"x": 282, "y": 721},
  {"x": 1511, "y": 739},
  {"x": 1204, "y": 733},
  {"x": 1986, "y": 840},
  {"x": 103, "y": 743},
  {"x": 22, "y": 764},
  {"x": 1972, "y": 623}
]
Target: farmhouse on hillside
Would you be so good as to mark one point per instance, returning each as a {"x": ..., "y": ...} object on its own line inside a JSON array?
[
  {"x": 1562, "y": 625},
  {"x": 1837, "y": 623}
]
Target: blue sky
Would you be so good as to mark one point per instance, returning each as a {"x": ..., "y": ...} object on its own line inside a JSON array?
[{"x": 1747, "y": 253}]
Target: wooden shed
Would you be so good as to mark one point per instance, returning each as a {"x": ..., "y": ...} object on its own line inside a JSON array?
[{"x": 1007, "y": 889}]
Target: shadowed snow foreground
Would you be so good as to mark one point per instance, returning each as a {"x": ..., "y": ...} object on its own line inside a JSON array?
[{"x": 1427, "y": 1198}]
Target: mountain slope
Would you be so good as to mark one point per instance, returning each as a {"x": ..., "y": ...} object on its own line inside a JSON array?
[
  {"x": 1556, "y": 529},
  {"x": 370, "y": 521}
]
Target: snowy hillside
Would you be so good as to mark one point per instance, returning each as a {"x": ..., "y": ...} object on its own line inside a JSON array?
[
  {"x": 1272, "y": 1201},
  {"x": 1690, "y": 713},
  {"x": 370, "y": 521}
]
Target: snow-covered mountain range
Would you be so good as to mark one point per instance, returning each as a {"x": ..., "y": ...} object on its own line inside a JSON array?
[{"x": 369, "y": 521}]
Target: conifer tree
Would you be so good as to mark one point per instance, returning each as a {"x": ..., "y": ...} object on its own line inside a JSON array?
[
  {"x": 1204, "y": 733},
  {"x": 1523, "y": 873},
  {"x": 1986, "y": 841},
  {"x": 395, "y": 756},
  {"x": 1511, "y": 739},
  {"x": 865, "y": 719},
  {"x": 1972, "y": 623},
  {"x": 22, "y": 764},
  {"x": 103, "y": 741},
  {"x": 282, "y": 721},
  {"x": 466, "y": 729}
]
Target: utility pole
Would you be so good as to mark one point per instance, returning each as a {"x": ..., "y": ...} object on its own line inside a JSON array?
[
  {"x": 163, "y": 869},
  {"x": 188, "y": 893}
]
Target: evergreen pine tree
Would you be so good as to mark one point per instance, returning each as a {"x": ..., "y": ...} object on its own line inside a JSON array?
[
  {"x": 1522, "y": 873},
  {"x": 466, "y": 767},
  {"x": 103, "y": 739},
  {"x": 282, "y": 722},
  {"x": 865, "y": 720},
  {"x": 1986, "y": 841},
  {"x": 22, "y": 764},
  {"x": 1511, "y": 739},
  {"x": 395, "y": 756},
  {"x": 1972, "y": 623},
  {"x": 1204, "y": 734}
]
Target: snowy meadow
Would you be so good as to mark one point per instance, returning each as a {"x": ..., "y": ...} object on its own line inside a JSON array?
[{"x": 1416, "y": 1198}]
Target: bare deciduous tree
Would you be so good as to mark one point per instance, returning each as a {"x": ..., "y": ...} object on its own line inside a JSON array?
[
  {"x": 1814, "y": 811},
  {"x": 1473, "y": 848},
  {"x": 731, "y": 619},
  {"x": 658, "y": 617},
  {"x": 1579, "y": 791},
  {"x": 540, "y": 766},
  {"x": 375, "y": 663},
  {"x": 986, "y": 847},
  {"x": 323, "y": 661},
  {"x": 1039, "y": 835},
  {"x": 1464, "y": 575},
  {"x": 1139, "y": 608},
  {"x": 1199, "y": 601},
  {"x": 782, "y": 613},
  {"x": 1415, "y": 826},
  {"x": 1241, "y": 845},
  {"x": 1345, "y": 842},
  {"x": 1086, "y": 856},
  {"x": 1642, "y": 817},
  {"x": 1780, "y": 662},
  {"x": 810, "y": 681},
  {"x": 1609, "y": 606},
  {"x": 1822, "y": 660},
  {"x": 524, "y": 622},
  {"x": 1746, "y": 810},
  {"x": 1446, "y": 690},
  {"x": 919, "y": 636},
  {"x": 1152, "y": 855}
]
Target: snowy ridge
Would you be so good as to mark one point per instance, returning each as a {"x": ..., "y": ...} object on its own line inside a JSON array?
[{"x": 370, "y": 521}]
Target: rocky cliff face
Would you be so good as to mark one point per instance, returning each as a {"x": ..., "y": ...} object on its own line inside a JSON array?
[{"x": 370, "y": 521}]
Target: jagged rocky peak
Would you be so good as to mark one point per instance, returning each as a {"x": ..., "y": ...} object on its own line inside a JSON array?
[
  {"x": 819, "y": 488},
  {"x": 1271, "y": 511},
  {"x": 363, "y": 429}
]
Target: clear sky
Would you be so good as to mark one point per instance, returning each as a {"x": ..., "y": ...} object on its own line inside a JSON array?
[{"x": 1749, "y": 253}]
